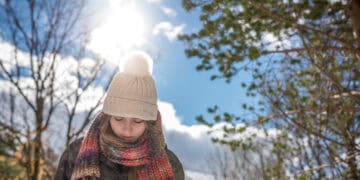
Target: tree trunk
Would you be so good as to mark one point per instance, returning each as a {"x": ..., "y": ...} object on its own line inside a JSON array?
[{"x": 37, "y": 140}]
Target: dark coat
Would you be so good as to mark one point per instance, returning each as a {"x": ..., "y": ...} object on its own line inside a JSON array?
[{"x": 108, "y": 169}]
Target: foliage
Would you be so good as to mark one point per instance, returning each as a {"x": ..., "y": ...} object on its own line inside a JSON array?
[{"x": 304, "y": 58}]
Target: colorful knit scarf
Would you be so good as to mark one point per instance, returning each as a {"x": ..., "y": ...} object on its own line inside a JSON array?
[{"x": 147, "y": 154}]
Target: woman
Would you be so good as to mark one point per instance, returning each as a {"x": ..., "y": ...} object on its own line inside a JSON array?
[{"x": 125, "y": 141}]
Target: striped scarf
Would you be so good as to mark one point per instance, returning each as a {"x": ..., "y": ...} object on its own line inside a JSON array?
[{"x": 147, "y": 154}]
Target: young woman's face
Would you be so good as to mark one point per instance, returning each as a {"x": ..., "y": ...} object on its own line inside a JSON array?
[{"x": 126, "y": 128}]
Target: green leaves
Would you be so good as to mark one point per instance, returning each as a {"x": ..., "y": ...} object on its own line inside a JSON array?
[
  {"x": 192, "y": 52},
  {"x": 189, "y": 5},
  {"x": 253, "y": 53},
  {"x": 213, "y": 110},
  {"x": 200, "y": 119}
]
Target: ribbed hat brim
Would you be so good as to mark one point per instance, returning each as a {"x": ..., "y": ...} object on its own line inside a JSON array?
[{"x": 123, "y": 107}]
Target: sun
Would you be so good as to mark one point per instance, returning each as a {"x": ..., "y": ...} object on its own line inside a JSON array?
[{"x": 121, "y": 30}]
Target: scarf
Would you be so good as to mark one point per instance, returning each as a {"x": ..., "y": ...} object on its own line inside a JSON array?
[{"x": 147, "y": 154}]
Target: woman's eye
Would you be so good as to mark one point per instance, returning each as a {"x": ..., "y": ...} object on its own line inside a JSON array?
[
  {"x": 139, "y": 121},
  {"x": 118, "y": 119}
]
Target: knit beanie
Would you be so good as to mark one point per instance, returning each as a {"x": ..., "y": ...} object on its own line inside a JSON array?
[{"x": 132, "y": 91}]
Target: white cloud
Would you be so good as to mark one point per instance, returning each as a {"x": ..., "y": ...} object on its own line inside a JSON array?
[
  {"x": 237, "y": 9},
  {"x": 169, "y": 30},
  {"x": 65, "y": 74},
  {"x": 192, "y": 144},
  {"x": 89, "y": 98},
  {"x": 8, "y": 56},
  {"x": 154, "y": 1},
  {"x": 277, "y": 42},
  {"x": 193, "y": 175},
  {"x": 169, "y": 11},
  {"x": 65, "y": 83},
  {"x": 87, "y": 67}
]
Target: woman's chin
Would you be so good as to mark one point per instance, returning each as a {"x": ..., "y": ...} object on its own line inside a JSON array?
[{"x": 127, "y": 139}]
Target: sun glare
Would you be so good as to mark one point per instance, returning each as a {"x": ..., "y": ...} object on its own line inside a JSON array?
[{"x": 121, "y": 30}]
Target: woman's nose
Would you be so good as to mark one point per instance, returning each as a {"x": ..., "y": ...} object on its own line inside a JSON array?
[{"x": 127, "y": 128}]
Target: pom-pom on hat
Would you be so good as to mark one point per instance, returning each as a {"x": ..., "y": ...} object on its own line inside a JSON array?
[{"x": 132, "y": 92}]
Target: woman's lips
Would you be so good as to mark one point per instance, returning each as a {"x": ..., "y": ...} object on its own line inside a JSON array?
[{"x": 127, "y": 138}]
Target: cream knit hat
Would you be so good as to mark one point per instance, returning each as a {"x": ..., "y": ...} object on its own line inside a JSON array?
[{"x": 132, "y": 92}]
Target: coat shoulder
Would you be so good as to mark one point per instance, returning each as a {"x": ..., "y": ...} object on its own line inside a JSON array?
[
  {"x": 176, "y": 165},
  {"x": 73, "y": 149},
  {"x": 67, "y": 160},
  {"x": 75, "y": 145}
]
